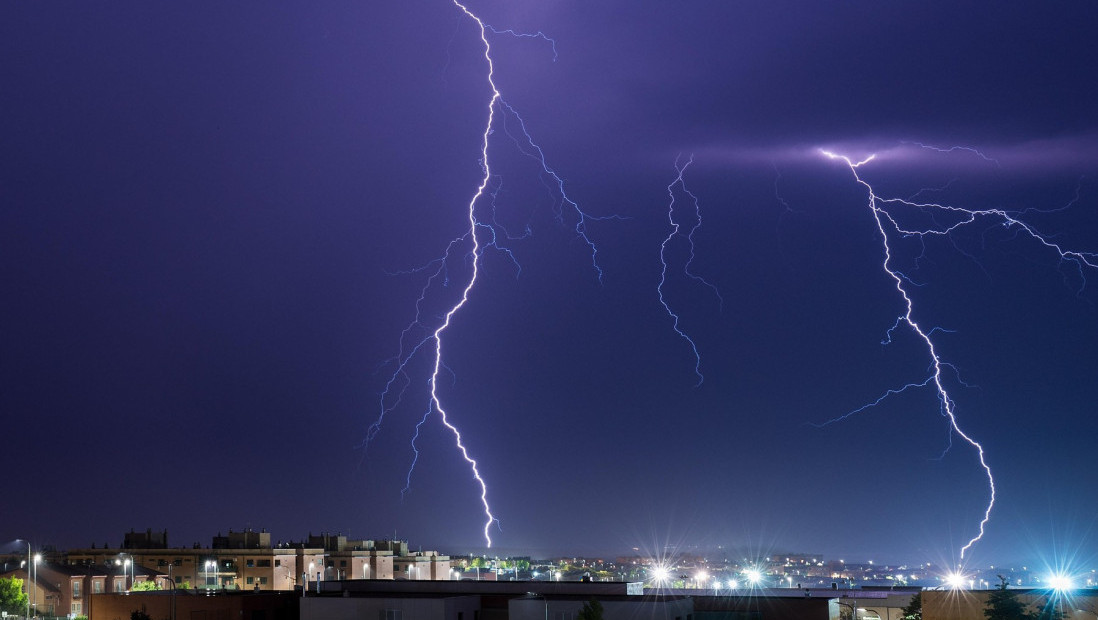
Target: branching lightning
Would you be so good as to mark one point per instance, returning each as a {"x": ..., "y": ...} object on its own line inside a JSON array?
[
  {"x": 676, "y": 231},
  {"x": 484, "y": 232},
  {"x": 886, "y": 222}
]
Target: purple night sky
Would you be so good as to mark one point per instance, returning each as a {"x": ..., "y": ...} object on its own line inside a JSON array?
[{"x": 212, "y": 217}]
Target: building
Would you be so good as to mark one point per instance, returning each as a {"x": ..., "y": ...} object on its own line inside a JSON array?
[
  {"x": 247, "y": 560},
  {"x": 55, "y": 589},
  {"x": 421, "y": 565},
  {"x": 563, "y": 600}
]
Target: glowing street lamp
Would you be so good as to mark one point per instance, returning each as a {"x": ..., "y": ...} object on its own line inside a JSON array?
[
  {"x": 701, "y": 578},
  {"x": 37, "y": 559},
  {"x": 127, "y": 564},
  {"x": 955, "y": 580},
  {"x": 753, "y": 577},
  {"x": 1060, "y": 582},
  {"x": 210, "y": 564}
]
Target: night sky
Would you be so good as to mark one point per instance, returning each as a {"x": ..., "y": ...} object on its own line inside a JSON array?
[{"x": 213, "y": 215}]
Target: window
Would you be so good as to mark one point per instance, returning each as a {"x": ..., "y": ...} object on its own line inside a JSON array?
[
  {"x": 76, "y": 609},
  {"x": 343, "y": 563},
  {"x": 119, "y": 585},
  {"x": 330, "y": 563},
  {"x": 97, "y": 587},
  {"x": 278, "y": 562},
  {"x": 250, "y": 563},
  {"x": 263, "y": 580},
  {"x": 251, "y": 579},
  {"x": 263, "y": 563},
  {"x": 76, "y": 589}
]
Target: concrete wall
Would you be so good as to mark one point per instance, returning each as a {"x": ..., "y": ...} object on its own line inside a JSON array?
[
  {"x": 386, "y": 608},
  {"x": 192, "y": 606},
  {"x": 637, "y": 608}
]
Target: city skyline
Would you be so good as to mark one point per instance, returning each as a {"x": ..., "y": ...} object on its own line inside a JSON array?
[{"x": 224, "y": 221}]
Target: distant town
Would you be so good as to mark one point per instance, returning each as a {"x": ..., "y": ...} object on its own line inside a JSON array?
[{"x": 61, "y": 583}]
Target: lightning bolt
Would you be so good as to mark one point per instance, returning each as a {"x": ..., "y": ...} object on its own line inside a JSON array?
[
  {"x": 676, "y": 231},
  {"x": 880, "y": 208},
  {"x": 482, "y": 233}
]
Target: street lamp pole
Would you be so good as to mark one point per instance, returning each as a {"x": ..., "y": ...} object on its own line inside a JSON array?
[
  {"x": 37, "y": 558},
  {"x": 128, "y": 566},
  {"x": 28, "y": 572}
]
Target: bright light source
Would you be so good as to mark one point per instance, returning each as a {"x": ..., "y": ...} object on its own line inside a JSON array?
[
  {"x": 754, "y": 576},
  {"x": 1060, "y": 582},
  {"x": 955, "y": 581},
  {"x": 660, "y": 574},
  {"x": 732, "y": 585},
  {"x": 702, "y": 576}
]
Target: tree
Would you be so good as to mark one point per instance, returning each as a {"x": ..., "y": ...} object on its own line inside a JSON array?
[
  {"x": 914, "y": 609},
  {"x": 592, "y": 610},
  {"x": 145, "y": 586},
  {"x": 12, "y": 597},
  {"x": 1003, "y": 604}
]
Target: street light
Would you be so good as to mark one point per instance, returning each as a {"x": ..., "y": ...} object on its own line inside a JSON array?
[
  {"x": 210, "y": 564},
  {"x": 955, "y": 580},
  {"x": 129, "y": 564},
  {"x": 37, "y": 559},
  {"x": 27, "y": 564}
]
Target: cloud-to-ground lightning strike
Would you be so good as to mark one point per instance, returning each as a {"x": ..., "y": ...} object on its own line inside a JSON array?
[
  {"x": 886, "y": 222},
  {"x": 676, "y": 231},
  {"x": 469, "y": 248}
]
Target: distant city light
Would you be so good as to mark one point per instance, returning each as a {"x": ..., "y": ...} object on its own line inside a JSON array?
[
  {"x": 753, "y": 576},
  {"x": 732, "y": 585}
]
